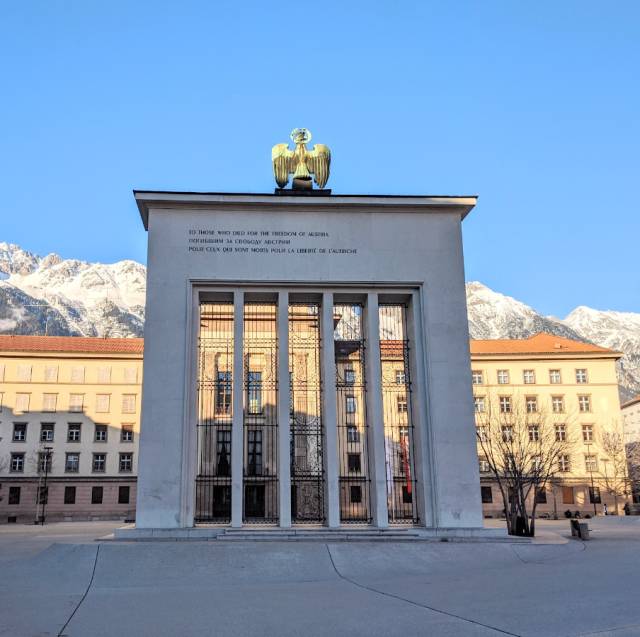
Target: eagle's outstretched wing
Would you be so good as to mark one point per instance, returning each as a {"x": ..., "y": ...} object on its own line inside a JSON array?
[
  {"x": 282, "y": 163},
  {"x": 318, "y": 161}
]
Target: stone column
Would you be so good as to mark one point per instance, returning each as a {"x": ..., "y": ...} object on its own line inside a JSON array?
[
  {"x": 373, "y": 375},
  {"x": 422, "y": 446},
  {"x": 237, "y": 426},
  {"x": 284, "y": 400},
  {"x": 329, "y": 412}
]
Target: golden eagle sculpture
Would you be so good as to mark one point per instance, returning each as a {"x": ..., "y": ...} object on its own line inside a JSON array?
[{"x": 301, "y": 162}]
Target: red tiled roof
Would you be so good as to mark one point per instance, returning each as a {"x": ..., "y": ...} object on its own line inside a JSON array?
[
  {"x": 71, "y": 344},
  {"x": 542, "y": 343}
]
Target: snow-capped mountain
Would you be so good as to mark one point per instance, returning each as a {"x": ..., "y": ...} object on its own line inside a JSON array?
[
  {"x": 69, "y": 297},
  {"x": 617, "y": 330},
  {"x": 59, "y": 296}
]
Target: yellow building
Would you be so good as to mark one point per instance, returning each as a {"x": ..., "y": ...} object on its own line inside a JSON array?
[
  {"x": 69, "y": 425},
  {"x": 574, "y": 386}
]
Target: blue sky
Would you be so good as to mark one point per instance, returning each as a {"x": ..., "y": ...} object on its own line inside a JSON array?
[{"x": 533, "y": 106}]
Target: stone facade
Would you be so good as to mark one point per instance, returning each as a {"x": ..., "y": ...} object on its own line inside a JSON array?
[
  {"x": 76, "y": 401},
  {"x": 569, "y": 385},
  {"x": 346, "y": 256}
]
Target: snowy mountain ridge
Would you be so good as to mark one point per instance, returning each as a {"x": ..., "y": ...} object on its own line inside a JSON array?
[{"x": 56, "y": 296}]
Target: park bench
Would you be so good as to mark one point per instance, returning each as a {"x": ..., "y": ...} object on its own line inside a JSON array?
[{"x": 579, "y": 529}]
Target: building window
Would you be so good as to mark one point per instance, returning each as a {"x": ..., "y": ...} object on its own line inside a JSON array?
[
  {"x": 534, "y": 433},
  {"x": 507, "y": 433},
  {"x": 584, "y": 403},
  {"x": 17, "y": 462},
  {"x": 46, "y": 432},
  {"x": 529, "y": 376},
  {"x": 99, "y": 462},
  {"x": 126, "y": 463},
  {"x": 594, "y": 495},
  {"x": 14, "y": 495},
  {"x": 591, "y": 463},
  {"x": 130, "y": 375},
  {"x": 484, "y": 466},
  {"x": 531, "y": 404},
  {"x": 541, "y": 496},
  {"x": 76, "y": 402},
  {"x": 24, "y": 373},
  {"x": 561, "y": 433},
  {"x": 487, "y": 495},
  {"x": 401, "y": 377},
  {"x": 72, "y": 463},
  {"x": 101, "y": 433},
  {"x": 77, "y": 374},
  {"x": 96, "y": 495},
  {"x": 223, "y": 393},
  {"x": 554, "y": 376},
  {"x": 581, "y": 376},
  {"x": 22, "y": 402},
  {"x": 353, "y": 462},
  {"x": 126, "y": 433},
  {"x": 479, "y": 404},
  {"x": 557, "y": 404},
  {"x": 73, "y": 432},
  {"x": 44, "y": 461},
  {"x": 350, "y": 376},
  {"x": 104, "y": 374},
  {"x": 254, "y": 452},
  {"x": 481, "y": 433},
  {"x": 356, "y": 494},
  {"x": 51, "y": 374},
  {"x": 402, "y": 404},
  {"x": 123, "y": 495},
  {"x": 69, "y": 495},
  {"x": 254, "y": 392},
  {"x": 587, "y": 433},
  {"x": 128, "y": 403},
  {"x": 102, "y": 403},
  {"x": 49, "y": 402},
  {"x": 351, "y": 404},
  {"x": 477, "y": 377},
  {"x": 223, "y": 453},
  {"x": 564, "y": 463},
  {"x": 19, "y": 432},
  {"x": 353, "y": 435},
  {"x": 503, "y": 377},
  {"x": 505, "y": 404},
  {"x": 536, "y": 464}
]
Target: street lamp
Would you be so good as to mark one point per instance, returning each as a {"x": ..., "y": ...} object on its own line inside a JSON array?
[
  {"x": 44, "y": 496},
  {"x": 593, "y": 491}
]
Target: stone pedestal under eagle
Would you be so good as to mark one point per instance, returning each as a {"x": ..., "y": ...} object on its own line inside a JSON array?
[{"x": 301, "y": 162}]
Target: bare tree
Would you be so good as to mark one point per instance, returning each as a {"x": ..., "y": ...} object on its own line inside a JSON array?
[
  {"x": 523, "y": 448},
  {"x": 616, "y": 477}
]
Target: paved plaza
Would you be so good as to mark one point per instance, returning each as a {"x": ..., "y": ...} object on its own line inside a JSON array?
[{"x": 58, "y": 580}]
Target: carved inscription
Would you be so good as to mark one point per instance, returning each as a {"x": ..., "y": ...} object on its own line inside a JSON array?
[{"x": 268, "y": 242}]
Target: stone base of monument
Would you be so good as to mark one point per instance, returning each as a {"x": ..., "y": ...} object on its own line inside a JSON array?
[{"x": 255, "y": 533}]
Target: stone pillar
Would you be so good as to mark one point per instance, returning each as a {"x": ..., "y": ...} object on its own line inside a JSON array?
[
  {"x": 373, "y": 376},
  {"x": 284, "y": 401},
  {"x": 237, "y": 426},
  {"x": 422, "y": 445},
  {"x": 329, "y": 412}
]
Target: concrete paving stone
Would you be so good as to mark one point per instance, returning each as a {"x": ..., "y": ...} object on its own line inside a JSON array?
[{"x": 304, "y": 588}]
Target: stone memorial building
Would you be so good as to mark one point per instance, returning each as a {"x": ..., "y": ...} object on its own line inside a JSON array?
[{"x": 306, "y": 359}]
